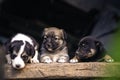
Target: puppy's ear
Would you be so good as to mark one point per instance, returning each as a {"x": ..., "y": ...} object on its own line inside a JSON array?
[
  {"x": 29, "y": 49},
  {"x": 45, "y": 29},
  {"x": 7, "y": 47},
  {"x": 99, "y": 46},
  {"x": 64, "y": 34},
  {"x": 43, "y": 33},
  {"x": 32, "y": 50}
]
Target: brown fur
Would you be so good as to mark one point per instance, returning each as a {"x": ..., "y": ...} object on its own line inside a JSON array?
[{"x": 54, "y": 47}]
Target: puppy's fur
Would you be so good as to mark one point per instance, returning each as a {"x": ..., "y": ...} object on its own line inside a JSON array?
[
  {"x": 91, "y": 50},
  {"x": 21, "y": 49},
  {"x": 54, "y": 47}
]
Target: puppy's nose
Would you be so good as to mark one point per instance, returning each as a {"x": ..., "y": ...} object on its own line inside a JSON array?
[
  {"x": 49, "y": 45},
  {"x": 17, "y": 65}
]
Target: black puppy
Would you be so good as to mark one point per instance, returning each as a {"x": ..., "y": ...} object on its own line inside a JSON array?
[{"x": 90, "y": 50}]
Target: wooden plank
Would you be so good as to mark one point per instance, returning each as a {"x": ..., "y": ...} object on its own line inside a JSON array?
[
  {"x": 1, "y": 63},
  {"x": 64, "y": 70}
]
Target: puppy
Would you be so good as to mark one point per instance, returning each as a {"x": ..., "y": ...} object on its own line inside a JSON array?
[
  {"x": 21, "y": 49},
  {"x": 54, "y": 47},
  {"x": 91, "y": 50}
]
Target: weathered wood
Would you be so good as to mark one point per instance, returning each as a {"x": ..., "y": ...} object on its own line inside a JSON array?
[
  {"x": 1, "y": 63},
  {"x": 64, "y": 70}
]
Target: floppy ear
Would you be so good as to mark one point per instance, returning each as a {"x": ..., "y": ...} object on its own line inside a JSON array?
[
  {"x": 7, "y": 46},
  {"x": 64, "y": 34},
  {"x": 32, "y": 51},
  {"x": 43, "y": 33},
  {"x": 29, "y": 49},
  {"x": 99, "y": 46}
]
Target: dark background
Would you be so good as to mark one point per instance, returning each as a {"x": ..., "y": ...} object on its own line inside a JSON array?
[{"x": 78, "y": 18}]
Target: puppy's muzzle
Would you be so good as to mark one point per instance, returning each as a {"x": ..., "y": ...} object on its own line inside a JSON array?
[
  {"x": 17, "y": 66},
  {"x": 49, "y": 45}
]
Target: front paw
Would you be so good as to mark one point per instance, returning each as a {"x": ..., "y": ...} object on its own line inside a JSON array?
[
  {"x": 8, "y": 59},
  {"x": 108, "y": 59},
  {"x": 34, "y": 60},
  {"x": 62, "y": 60},
  {"x": 74, "y": 60},
  {"x": 46, "y": 59},
  {"x": 9, "y": 62}
]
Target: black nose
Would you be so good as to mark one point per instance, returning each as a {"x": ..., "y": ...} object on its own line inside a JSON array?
[
  {"x": 48, "y": 45},
  {"x": 17, "y": 65}
]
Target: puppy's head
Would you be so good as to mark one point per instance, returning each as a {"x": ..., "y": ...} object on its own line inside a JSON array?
[
  {"x": 20, "y": 52},
  {"x": 89, "y": 47},
  {"x": 53, "y": 38}
]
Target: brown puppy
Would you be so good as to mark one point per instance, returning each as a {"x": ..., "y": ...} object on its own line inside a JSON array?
[
  {"x": 91, "y": 50},
  {"x": 54, "y": 47}
]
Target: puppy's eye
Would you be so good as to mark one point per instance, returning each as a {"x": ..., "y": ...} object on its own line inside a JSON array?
[
  {"x": 45, "y": 37},
  {"x": 13, "y": 56},
  {"x": 56, "y": 38},
  {"x": 24, "y": 57},
  {"x": 84, "y": 45}
]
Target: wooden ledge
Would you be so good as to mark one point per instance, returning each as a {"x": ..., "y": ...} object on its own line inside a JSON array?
[{"x": 64, "y": 70}]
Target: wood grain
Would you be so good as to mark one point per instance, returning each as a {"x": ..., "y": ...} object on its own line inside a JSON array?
[{"x": 64, "y": 70}]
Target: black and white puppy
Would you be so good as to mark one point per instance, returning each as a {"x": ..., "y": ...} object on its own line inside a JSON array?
[
  {"x": 21, "y": 49},
  {"x": 91, "y": 50},
  {"x": 54, "y": 48}
]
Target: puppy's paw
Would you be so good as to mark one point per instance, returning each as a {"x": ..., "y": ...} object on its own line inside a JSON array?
[
  {"x": 46, "y": 59},
  {"x": 74, "y": 60},
  {"x": 8, "y": 58},
  {"x": 62, "y": 60},
  {"x": 34, "y": 60},
  {"x": 9, "y": 62},
  {"x": 108, "y": 59}
]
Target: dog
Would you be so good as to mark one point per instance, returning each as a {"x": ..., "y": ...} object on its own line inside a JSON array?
[
  {"x": 21, "y": 49},
  {"x": 91, "y": 50},
  {"x": 54, "y": 46}
]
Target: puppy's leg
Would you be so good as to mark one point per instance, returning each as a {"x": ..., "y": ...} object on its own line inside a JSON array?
[
  {"x": 74, "y": 59},
  {"x": 8, "y": 58},
  {"x": 35, "y": 58},
  {"x": 108, "y": 59},
  {"x": 46, "y": 59},
  {"x": 63, "y": 59}
]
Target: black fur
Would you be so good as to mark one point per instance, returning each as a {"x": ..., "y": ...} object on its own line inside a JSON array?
[
  {"x": 15, "y": 46},
  {"x": 84, "y": 47}
]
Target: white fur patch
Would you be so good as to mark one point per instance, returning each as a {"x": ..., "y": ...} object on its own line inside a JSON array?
[
  {"x": 35, "y": 58},
  {"x": 73, "y": 60},
  {"x": 46, "y": 59},
  {"x": 21, "y": 49},
  {"x": 18, "y": 61},
  {"x": 62, "y": 59},
  {"x": 8, "y": 58},
  {"x": 22, "y": 37}
]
